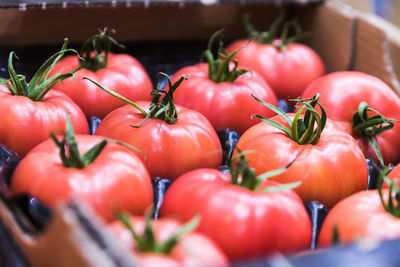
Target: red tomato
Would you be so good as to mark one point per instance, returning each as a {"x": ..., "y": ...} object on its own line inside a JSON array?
[
  {"x": 224, "y": 104},
  {"x": 123, "y": 74},
  {"x": 193, "y": 249},
  {"x": 342, "y": 92},
  {"x": 244, "y": 223},
  {"x": 330, "y": 170},
  {"x": 26, "y": 123},
  {"x": 358, "y": 216},
  {"x": 288, "y": 71},
  {"x": 115, "y": 180},
  {"x": 168, "y": 150}
]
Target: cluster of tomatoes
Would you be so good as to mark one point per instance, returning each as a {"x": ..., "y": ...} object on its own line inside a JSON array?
[{"x": 253, "y": 208}]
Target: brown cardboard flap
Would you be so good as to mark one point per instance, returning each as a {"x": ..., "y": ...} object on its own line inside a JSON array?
[
  {"x": 332, "y": 28},
  {"x": 67, "y": 242}
]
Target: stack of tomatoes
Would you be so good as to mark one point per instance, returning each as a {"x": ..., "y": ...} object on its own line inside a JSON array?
[{"x": 254, "y": 207}]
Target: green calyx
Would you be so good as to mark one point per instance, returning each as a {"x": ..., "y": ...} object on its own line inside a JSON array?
[
  {"x": 270, "y": 36},
  {"x": 393, "y": 204},
  {"x": 40, "y": 84},
  {"x": 161, "y": 108},
  {"x": 94, "y": 51},
  {"x": 219, "y": 69},
  {"x": 73, "y": 159},
  {"x": 306, "y": 130},
  {"x": 370, "y": 126},
  {"x": 147, "y": 243},
  {"x": 245, "y": 176}
]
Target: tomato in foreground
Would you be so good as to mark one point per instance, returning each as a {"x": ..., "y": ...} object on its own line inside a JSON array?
[
  {"x": 29, "y": 112},
  {"x": 166, "y": 242},
  {"x": 222, "y": 93},
  {"x": 121, "y": 73},
  {"x": 172, "y": 139},
  {"x": 364, "y": 105},
  {"x": 107, "y": 175},
  {"x": 328, "y": 160},
  {"x": 247, "y": 216},
  {"x": 287, "y": 67}
]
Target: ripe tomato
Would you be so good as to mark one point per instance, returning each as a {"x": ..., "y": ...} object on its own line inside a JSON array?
[
  {"x": 331, "y": 167},
  {"x": 225, "y": 104},
  {"x": 244, "y": 223},
  {"x": 29, "y": 112},
  {"x": 288, "y": 71},
  {"x": 358, "y": 216},
  {"x": 341, "y": 94},
  {"x": 115, "y": 180},
  {"x": 120, "y": 72},
  {"x": 168, "y": 150},
  {"x": 192, "y": 249}
]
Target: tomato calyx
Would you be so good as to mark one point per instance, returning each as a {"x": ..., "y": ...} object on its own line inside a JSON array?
[
  {"x": 270, "y": 36},
  {"x": 74, "y": 159},
  {"x": 306, "y": 130},
  {"x": 245, "y": 176},
  {"x": 161, "y": 108},
  {"x": 370, "y": 126},
  {"x": 146, "y": 242},
  {"x": 393, "y": 204},
  {"x": 220, "y": 68},
  {"x": 94, "y": 51},
  {"x": 40, "y": 84}
]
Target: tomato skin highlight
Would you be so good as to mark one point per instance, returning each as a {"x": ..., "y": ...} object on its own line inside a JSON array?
[
  {"x": 168, "y": 150},
  {"x": 340, "y": 95},
  {"x": 245, "y": 224},
  {"x": 116, "y": 180},
  {"x": 288, "y": 72},
  {"x": 26, "y": 123},
  {"x": 225, "y": 104},
  {"x": 123, "y": 74},
  {"x": 330, "y": 170},
  {"x": 193, "y": 249},
  {"x": 357, "y": 216}
]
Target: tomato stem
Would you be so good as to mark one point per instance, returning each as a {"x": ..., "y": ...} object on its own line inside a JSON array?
[
  {"x": 306, "y": 130},
  {"x": 147, "y": 243},
  {"x": 40, "y": 84},
  {"x": 94, "y": 51},
  {"x": 370, "y": 126},
  {"x": 220, "y": 69},
  {"x": 393, "y": 204}
]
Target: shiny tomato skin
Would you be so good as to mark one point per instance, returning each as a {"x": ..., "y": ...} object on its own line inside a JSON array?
[
  {"x": 115, "y": 180},
  {"x": 288, "y": 72},
  {"x": 26, "y": 123},
  {"x": 193, "y": 249},
  {"x": 340, "y": 95},
  {"x": 244, "y": 223},
  {"x": 330, "y": 170},
  {"x": 225, "y": 104},
  {"x": 123, "y": 74},
  {"x": 168, "y": 150},
  {"x": 357, "y": 216}
]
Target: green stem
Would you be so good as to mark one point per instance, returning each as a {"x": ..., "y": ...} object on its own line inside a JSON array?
[{"x": 393, "y": 204}]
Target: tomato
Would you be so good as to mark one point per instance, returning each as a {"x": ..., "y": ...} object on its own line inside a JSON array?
[
  {"x": 225, "y": 104},
  {"x": 120, "y": 72},
  {"x": 288, "y": 71},
  {"x": 245, "y": 223},
  {"x": 192, "y": 249},
  {"x": 331, "y": 166},
  {"x": 168, "y": 150},
  {"x": 29, "y": 112},
  {"x": 115, "y": 180},
  {"x": 341, "y": 94},
  {"x": 360, "y": 216},
  {"x": 222, "y": 92}
]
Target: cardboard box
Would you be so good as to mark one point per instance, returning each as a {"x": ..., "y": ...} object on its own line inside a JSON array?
[{"x": 346, "y": 40}]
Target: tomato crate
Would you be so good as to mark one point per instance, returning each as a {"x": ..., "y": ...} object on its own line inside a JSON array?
[{"x": 166, "y": 35}]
